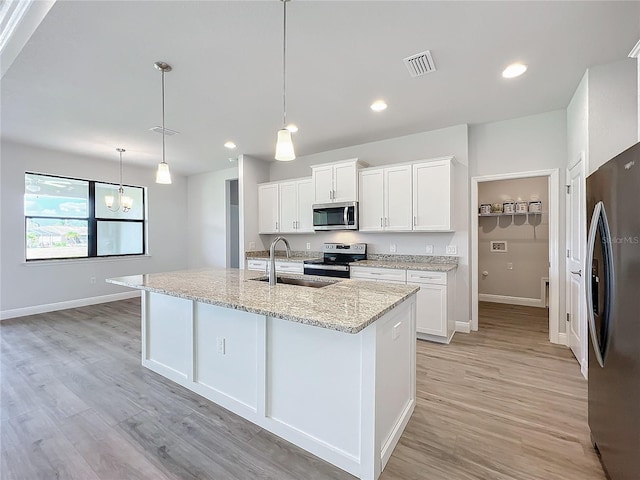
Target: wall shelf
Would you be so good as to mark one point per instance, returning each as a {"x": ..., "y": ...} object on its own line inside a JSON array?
[{"x": 509, "y": 214}]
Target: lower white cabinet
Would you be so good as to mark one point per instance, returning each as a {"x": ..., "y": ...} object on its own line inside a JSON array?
[
  {"x": 281, "y": 266},
  {"x": 435, "y": 319}
]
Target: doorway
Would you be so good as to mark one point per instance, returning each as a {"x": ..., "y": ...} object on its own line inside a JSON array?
[
  {"x": 233, "y": 224},
  {"x": 551, "y": 209}
]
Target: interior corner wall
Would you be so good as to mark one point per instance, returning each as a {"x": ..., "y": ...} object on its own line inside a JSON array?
[
  {"x": 251, "y": 172},
  {"x": 409, "y": 148},
  {"x": 24, "y": 285},
  {"x": 613, "y": 110},
  {"x": 527, "y": 241},
  {"x": 534, "y": 142},
  {"x": 207, "y": 218},
  {"x": 578, "y": 124}
]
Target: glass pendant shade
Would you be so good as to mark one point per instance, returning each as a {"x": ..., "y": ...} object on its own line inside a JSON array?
[
  {"x": 124, "y": 203},
  {"x": 108, "y": 200},
  {"x": 127, "y": 203},
  {"x": 284, "y": 146},
  {"x": 163, "y": 175}
]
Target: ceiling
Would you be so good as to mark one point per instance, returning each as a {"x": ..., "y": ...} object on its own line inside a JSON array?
[{"x": 85, "y": 81}]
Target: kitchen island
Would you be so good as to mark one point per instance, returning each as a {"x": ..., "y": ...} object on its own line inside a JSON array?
[{"x": 329, "y": 369}]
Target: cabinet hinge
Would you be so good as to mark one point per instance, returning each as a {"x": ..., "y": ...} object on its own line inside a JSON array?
[{"x": 568, "y": 317}]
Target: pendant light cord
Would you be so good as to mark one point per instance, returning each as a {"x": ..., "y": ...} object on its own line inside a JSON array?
[
  {"x": 163, "y": 130},
  {"x": 120, "y": 151},
  {"x": 284, "y": 66}
]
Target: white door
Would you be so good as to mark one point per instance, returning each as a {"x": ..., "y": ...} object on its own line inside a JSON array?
[
  {"x": 397, "y": 189},
  {"x": 288, "y": 207},
  {"x": 371, "y": 210},
  {"x": 323, "y": 184},
  {"x": 432, "y": 196},
  {"x": 576, "y": 240},
  {"x": 305, "y": 206},
  {"x": 345, "y": 181},
  {"x": 268, "y": 208}
]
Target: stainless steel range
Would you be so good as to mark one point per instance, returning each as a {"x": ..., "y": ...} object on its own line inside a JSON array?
[{"x": 336, "y": 259}]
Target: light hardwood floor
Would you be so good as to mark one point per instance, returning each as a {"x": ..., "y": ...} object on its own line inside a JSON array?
[{"x": 499, "y": 404}]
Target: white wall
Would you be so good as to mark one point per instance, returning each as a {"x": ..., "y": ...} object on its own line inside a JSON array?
[
  {"x": 251, "y": 172},
  {"x": 28, "y": 285},
  {"x": 613, "y": 110},
  {"x": 527, "y": 240},
  {"x": 207, "y": 218},
  {"x": 420, "y": 146},
  {"x": 578, "y": 124}
]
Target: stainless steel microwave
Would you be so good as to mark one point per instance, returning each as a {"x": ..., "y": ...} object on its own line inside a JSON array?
[{"x": 335, "y": 216}]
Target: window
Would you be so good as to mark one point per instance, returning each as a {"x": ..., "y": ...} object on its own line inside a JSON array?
[{"x": 68, "y": 218}]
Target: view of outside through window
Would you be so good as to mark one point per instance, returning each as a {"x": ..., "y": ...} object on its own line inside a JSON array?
[
  {"x": 56, "y": 211},
  {"x": 59, "y": 222}
]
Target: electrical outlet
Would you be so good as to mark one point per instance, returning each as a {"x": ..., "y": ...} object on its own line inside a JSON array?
[
  {"x": 220, "y": 341},
  {"x": 392, "y": 248},
  {"x": 308, "y": 246},
  {"x": 252, "y": 245},
  {"x": 395, "y": 332},
  {"x": 509, "y": 265},
  {"x": 429, "y": 250},
  {"x": 92, "y": 280},
  {"x": 452, "y": 250}
]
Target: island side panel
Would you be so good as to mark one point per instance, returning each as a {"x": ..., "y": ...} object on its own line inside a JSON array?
[
  {"x": 168, "y": 334},
  {"x": 313, "y": 389}
]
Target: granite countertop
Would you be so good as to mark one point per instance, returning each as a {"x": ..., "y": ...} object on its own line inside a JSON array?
[
  {"x": 404, "y": 265},
  {"x": 281, "y": 255},
  {"x": 347, "y": 306}
]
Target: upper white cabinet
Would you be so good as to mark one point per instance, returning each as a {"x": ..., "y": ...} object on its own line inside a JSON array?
[
  {"x": 336, "y": 182},
  {"x": 268, "y": 203},
  {"x": 286, "y": 207},
  {"x": 385, "y": 199},
  {"x": 432, "y": 195}
]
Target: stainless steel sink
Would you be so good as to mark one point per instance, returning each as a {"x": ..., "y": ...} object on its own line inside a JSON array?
[{"x": 302, "y": 282}]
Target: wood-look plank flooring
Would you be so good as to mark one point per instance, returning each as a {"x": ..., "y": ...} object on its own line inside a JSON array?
[{"x": 502, "y": 403}]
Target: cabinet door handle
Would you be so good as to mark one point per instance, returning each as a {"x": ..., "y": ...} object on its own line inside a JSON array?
[
  {"x": 276, "y": 225},
  {"x": 414, "y": 220},
  {"x": 380, "y": 222},
  {"x": 386, "y": 221},
  {"x": 578, "y": 272}
]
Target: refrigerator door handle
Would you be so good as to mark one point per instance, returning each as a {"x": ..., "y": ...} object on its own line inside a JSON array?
[{"x": 599, "y": 214}]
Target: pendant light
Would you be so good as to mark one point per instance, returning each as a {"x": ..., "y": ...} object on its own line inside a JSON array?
[
  {"x": 163, "y": 175},
  {"x": 284, "y": 145},
  {"x": 124, "y": 203}
]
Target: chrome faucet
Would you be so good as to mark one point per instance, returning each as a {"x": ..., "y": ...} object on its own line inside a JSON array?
[{"x": 272, "y": 258}]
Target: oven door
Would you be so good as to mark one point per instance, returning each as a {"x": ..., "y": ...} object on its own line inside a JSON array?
[
  {"x": 335, "y": 216},
  {"x": 324, "y": 270}
]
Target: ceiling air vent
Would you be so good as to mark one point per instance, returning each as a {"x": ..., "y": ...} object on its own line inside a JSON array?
[
  {"x": 420, "y": 64},
  {"x": 167, "y": 131}
]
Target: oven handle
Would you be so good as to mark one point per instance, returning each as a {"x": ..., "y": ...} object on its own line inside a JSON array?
[{"x": 339, "y": 268}]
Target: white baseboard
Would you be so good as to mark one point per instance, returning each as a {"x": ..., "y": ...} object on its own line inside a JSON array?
[
  {"x": 52, "y": 307},
  {"x": 463, "y": 327},
  {"x": 562, "y": 339},
  {"x": 527, "y": 302}
]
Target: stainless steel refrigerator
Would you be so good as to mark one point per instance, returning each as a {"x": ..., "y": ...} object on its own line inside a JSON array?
[{"x": 613, "y": 306}]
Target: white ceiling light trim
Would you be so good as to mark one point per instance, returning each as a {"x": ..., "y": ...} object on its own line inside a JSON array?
[
  {"x": 514, "y": 70},
  {"x": 230, "y": 145},
  {"x": 163, "y": 175},
  {"x": 284, "y": 146},
  {"x": 379, "y": 106}
]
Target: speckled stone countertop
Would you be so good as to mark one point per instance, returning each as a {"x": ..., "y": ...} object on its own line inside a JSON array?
[
  {"x": 281, "y": 255},
  {"x": 347, "y": 306},
  {"x": 410, "y": 262}
]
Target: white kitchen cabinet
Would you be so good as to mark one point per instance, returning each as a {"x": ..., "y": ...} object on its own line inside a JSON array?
[
  {"x": 282, "y": 266},
  {"x": 257, "y": 265},
  {"x": 432, "y": 195},
  {"x": 268, "y": 208},
  {"x": 435, "y": 319},
  {"x": 336, "y": 182},
  {"x": 385, "y": 199},
  {"x": 434, "y": 304},
  {"x": 286, "y": 207}
]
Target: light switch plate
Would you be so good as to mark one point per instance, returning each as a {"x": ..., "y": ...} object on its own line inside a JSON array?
[
  {"x": 221, "y": 345},
  {"x": 308, "y": 246},
  {"x": 395, "y": 332},
  {"x": 392, "y": 248},
  {"x": 509, "y": 265},
  {"x": 452, "y": 250},
  {"x": 429, "y": 250}
]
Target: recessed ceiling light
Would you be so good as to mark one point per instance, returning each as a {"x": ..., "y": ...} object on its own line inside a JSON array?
[
  {"x": 379, "y": 106},
  {"x": 514, "y": 70},
  {"x": 230, "y": 145},
  {"x": 292, "y": 127}
]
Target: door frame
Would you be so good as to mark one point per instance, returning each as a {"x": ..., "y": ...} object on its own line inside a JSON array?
[{"x": 553, "y": 176}]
